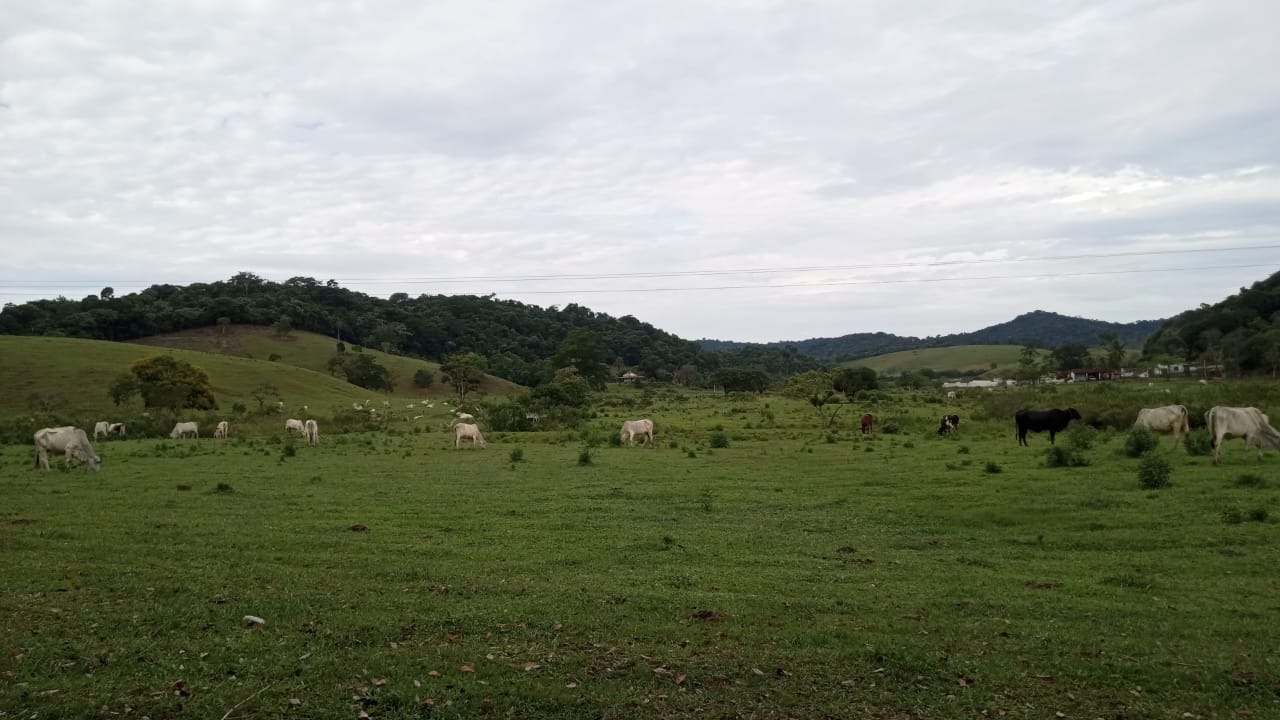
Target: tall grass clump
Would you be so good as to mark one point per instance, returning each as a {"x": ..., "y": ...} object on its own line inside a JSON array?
[
  {"x": 1062, "y": 456},
  {"x": 1154, "y": 472},
  {"x": 1140, "y": 441},
  {"x": 1197, "y": 442},
  {"x": 719, "y": 440}
]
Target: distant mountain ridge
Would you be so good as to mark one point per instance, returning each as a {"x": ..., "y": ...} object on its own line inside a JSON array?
[{"x": 1047, "y": 329}]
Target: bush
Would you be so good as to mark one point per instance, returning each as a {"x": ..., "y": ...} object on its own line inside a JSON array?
[
  {"x": 1197, "y": 442},
  {"x": 1082, "y": 437},
  {"x": 1258, "y": 514},
  {"x": 224, "y": 488},
  {"x": 1140, "y": 441},
  {"x": 719, "y": 440},
  {"x": 1251, "y": 480},
  {"x": 1063, "y": 456},
  {"x": 584, "y": 457},
  {"x": 962, "y": 450},
  {"x": 423, "y": 378},
  {"x": 890, "y": 428},
  {"x": 517, "y": 455},
  {"x": 1154, "y": 472},
  {"x": 992, "y": 468}
]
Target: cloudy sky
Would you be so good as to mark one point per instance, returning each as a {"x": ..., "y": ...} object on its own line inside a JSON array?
[{"x": 751, "y": 170}]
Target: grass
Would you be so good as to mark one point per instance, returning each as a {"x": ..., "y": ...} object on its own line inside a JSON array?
[
  {"x": 782, "y": 576},
  {"x": 310, "y": 351}
]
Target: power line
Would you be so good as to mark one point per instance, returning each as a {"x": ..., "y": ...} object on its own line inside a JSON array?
[
  {"x": 897, "y": 281},
  {"x": 416, "y": 280}
]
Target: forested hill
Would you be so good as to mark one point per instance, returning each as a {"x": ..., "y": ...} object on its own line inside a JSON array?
[
  {"x": 1242, "y": 332},
  {"x": 517, "y": 340},
  {"x": 1046, "y": 329}
]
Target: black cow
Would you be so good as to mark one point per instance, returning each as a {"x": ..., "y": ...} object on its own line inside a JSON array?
[
  {"x": 1055, "y": 421},
  {"x": 949, "y": 423}
]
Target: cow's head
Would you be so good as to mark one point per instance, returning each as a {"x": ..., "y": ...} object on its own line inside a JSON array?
[{"x": 1073, "y": 414}]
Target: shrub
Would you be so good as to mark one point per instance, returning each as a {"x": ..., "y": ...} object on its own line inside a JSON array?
[
  {"x": 1082, "y": 437},
  {"x": 1140, "y": 441},
  {"x": 584, "y": 457},
  {"x": 1197, "y": 442},
  {"x": 890, "y": 428},
  {"x": 289, "y": 449},
  {"x": 992, "y": 468},
  {"x": 1251, "y": 480},
  {"x": 1063, "y": 456},
  {"x": 691, "y": 454},
  {"x": 1154, "y": 472},
  {"x": 908, "y": 445},
  {"x": 224, "y": 488},
  {"x": 719, "y": 440},
  {"x": 615, "y": 441},
  {"x": 423, "y": 378},
  {"x": 962, "y": 450},
  {"x": 517, "y": 455},
  {"x": 1258, "y": 514}
]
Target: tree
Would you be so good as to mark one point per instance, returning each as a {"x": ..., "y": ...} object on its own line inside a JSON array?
[
  {"x": 223, "y": 322},
  {"x": 1113, "y": 346},
  {"x": 729, "y": 380},
  {"x": 816, "y": 388},
  {"x": 283, "y": 326},
  {"x": 264, "y": 392},
  {"x": 566, "y": 389},
  {"x": 912, "y": 380},
  {"x": 1069, "y": 356},
  {"x": 583, "y": 351},
  {"x": 388, "y": 335},
  {"x": 360, "y": 369},
  {"x": 164, "y": 381},
  {"x": 107, "y": 293},
  {"x": 1029, "y": 363},
  {"x": 851, "y": 380},
  {"x": 423, "y": 378},
  {"x": 463, "y": 371},
  {"x": 124, "y": 387},
  {"x": 43, "y": 400}
]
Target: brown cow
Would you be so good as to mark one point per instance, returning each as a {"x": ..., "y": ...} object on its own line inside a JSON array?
[{"x": 866, "y": 423}]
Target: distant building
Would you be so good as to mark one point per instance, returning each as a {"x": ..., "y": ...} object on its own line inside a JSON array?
[
  {"x": 1088, "y": 374},
  {"x": 630, "y": 377}
]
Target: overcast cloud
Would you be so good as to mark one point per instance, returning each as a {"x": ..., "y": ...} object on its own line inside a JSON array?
[{"x": 390, "y": 145}]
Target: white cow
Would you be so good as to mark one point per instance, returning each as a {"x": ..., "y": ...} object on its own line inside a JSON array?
[
  {"x": 116, "y": 429},
  {"x": 68, "y": 439},
  {"x": 297, "y": 425},
  {"x": 184, "y": 429},
  {"x": 1243, "y": 422},
  {"x": 1170, "y": 418},
  {"x": 101, "y": 429},
  {"x": 466, "y": 431},
  {"x": 632, "y": 428},
  {"x": 312, "y": 431},
  {"x": 223, "y": 429},
  {"x": 464, "y": 417},
  {"x": 951, "y": 395}
]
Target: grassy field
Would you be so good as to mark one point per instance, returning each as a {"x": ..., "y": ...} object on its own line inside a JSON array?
[
  {"x": 310, "y": 351},
  {"x": 797, "y": 572},
  {"x": 959, "y": 357},
  {"x": 80, "y": 371}
]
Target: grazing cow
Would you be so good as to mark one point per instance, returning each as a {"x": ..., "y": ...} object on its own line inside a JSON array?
[
  {"x": 183, "y": 429},
  {"x": 294, "y": 425},
  {"x": 223, "y": 429},
  {"x": 1055, "y": 421},
  {"x": 467, "y": 431},
  {"x": 1170, "y": 418},
  {"x": 312, "y": 431},
  {"x": 101, "y": 429},
  {"x": 116, "y": 429},
  {"x": 949, "y": 424},
  {"x": 1249, "y": 423},
  {"x": 951, "y": 394},
  {"x": 632, "y": 428},
  {"x": 70, "y": 440},
  {"x": 867, "y": 420}
]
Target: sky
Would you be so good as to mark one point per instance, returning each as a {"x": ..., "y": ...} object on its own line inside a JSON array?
[{"x": 751, "y": 170}]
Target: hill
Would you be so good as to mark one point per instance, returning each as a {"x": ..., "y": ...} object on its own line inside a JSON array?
[
  {"x": 518, "y": 340},
  {"x": 964, "y": 358},
  {"x": 1242, "y": 332},
  {"x": 1046, "y": 329},
  {"x": 79, "y": 371},
  {"x": 310, "y": 351}
]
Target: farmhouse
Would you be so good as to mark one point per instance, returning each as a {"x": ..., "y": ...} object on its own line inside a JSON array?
[{"x": 630, "y": 377}]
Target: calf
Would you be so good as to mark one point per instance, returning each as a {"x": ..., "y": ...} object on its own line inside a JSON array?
[
  {"x": 949, "y": 424},
  {"x": 867, "y": 420},
  {"x": 1054, "y": 421}
]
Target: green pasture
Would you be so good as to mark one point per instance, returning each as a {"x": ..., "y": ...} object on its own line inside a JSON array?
[
  {"x": 798, "y": 572},
  {"x": 957, "y": 357},
  {"x": 310, "y": 351}
]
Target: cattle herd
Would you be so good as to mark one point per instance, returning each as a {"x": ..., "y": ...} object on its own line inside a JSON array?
[{"x": 1248, "y": 423}]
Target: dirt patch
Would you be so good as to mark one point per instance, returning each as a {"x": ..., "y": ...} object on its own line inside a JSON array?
[
  {"x": 1043, "y": 584},
  {"x": 709, "y": 615}
]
